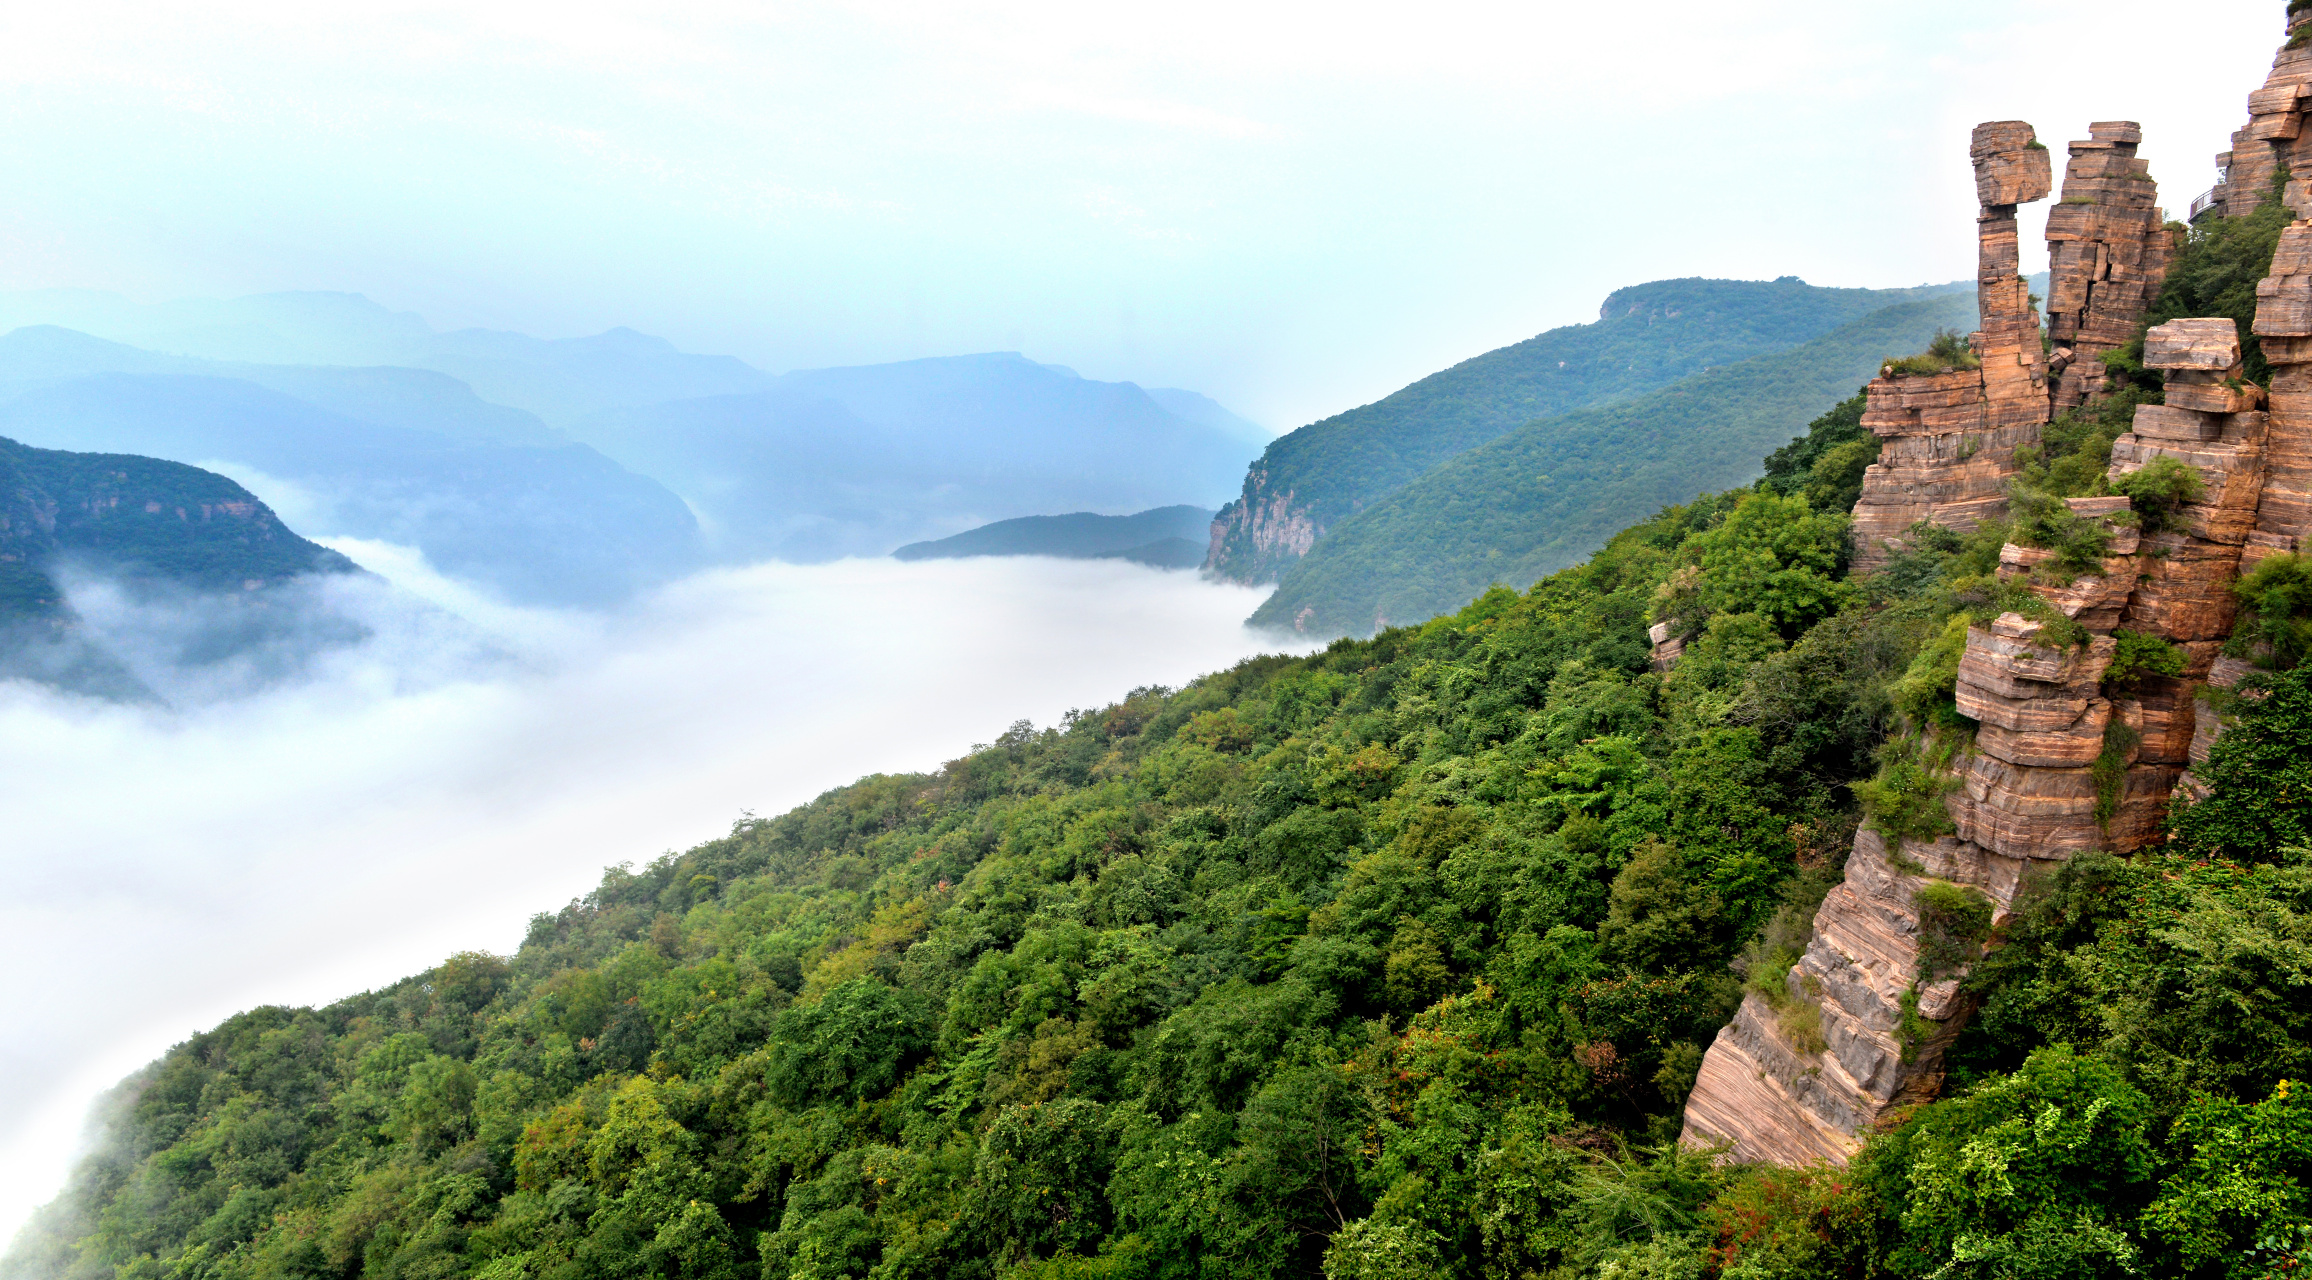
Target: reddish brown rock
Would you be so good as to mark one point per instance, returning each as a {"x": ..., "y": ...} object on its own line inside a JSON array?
[
  {"x": 1950, "y": 438},
  {"x": 2108, "y": 250},
  {"x": 2274, "y": 134}
]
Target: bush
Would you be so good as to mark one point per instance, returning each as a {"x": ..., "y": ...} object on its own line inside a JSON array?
[
  {"x": 1926, "y": 693},
  {"x": 1905, "y": 801},
  {"x": 2141, "y": 655},
  {"x": 2041, "y": 519},
  {"x": 2159, "y": 490},
  {"x": 2259, "y": 777},
  {"x": 2276, "y": 603},
  {"x": 1954, "y": 920},
  {"x": 1945, "y": 351}
]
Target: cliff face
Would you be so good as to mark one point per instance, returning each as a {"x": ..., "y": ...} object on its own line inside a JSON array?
[
  {"x": 2061, "y": 760},
  {"x": 1261, "y": 534},
  {"x": 2274, "y": 134}
]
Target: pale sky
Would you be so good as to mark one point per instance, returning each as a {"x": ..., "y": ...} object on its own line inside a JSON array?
[{"x": 1293, "y": 208}]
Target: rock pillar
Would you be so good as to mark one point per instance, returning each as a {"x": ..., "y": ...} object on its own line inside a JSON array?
[
  {"x": 2108, "y": 248},
  {"x": 1950, "y": 437},
  {"x": 2275, "y": 133}
]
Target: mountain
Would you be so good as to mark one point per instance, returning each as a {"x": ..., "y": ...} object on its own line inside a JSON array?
[
  {"x": 150, "y": 525},
  {"x": 1705, "y": 910},
  {"x": 1162, "y": 536},
  {"x": 1547, "y": 494},
  {"x": 1204, "y": 411},
  {"x": 553, "y": 522},
  {"x": 855, "y": 461},
  {"x": 386, "y": 396},
  {"x": 1646, "y": 336},
  {"x": 556, "y": 379}
]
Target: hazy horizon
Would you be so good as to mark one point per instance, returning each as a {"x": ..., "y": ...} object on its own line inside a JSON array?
[{"x": 1292, "y": 218}]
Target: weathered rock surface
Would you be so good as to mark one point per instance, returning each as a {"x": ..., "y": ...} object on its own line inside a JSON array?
[
  {"x": 2275, "y": 133},
  {"x": 2108, "y": 250},
  {"x": 1950, "y": 438},
  {"x": 2023, "y": 790}
]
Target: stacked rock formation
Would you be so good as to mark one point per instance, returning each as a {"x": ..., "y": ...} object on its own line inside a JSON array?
[
  {"x": 1951, "y": 436},
  {"x": 2108, "y": 249},
  {"x": 2284, "y": 330},
  {"x": 1856, "y": 1029},
  {"x": 2275, "y": 133}
]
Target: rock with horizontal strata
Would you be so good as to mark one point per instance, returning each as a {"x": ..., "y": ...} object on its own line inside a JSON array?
[{"x": 2108, "y": 253}]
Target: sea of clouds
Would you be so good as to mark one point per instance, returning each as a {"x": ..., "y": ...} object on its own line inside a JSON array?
[{"x": 415, "y": 770}]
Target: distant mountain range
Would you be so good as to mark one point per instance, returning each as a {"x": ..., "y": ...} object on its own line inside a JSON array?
[
  {"x": 576, "y": 471},
  {"x": 834, "y": 462},
  {"x": 1166, "y": 537},
  {"x": 1542, "y": 497}
]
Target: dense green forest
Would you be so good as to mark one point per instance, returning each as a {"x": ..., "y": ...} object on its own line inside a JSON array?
[
  {"x": 139, "y": 517},
  {"x": 1545, "y": 495},
  {"x": 1395, "y": 960},
  {"x": 1646, "y": 336}
]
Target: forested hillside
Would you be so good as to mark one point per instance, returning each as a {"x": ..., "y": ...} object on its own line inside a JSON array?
[
  {"x": 141, "y": 518},
  {"x": 1547, "y": 494},
  {"x": 1150, "y": 536},
  {"x": 1646, "y": 336},
  {"x": 1392, "y": 961}
]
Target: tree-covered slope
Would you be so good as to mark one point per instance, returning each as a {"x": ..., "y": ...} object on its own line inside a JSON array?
[
  {"x": 140, "y": 518},
  {"x": 1395, "y": 960},
  {"x": 1547, "y": 494},
  {"x": 1078, "y": 535},
  {"x": 1645, "y": 336}
]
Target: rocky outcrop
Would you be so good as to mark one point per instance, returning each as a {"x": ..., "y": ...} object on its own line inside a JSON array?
[
  {"x": 2108, "y": 248},
  {"x": 1260, "y": 535},
  {"x": 2059, "y": 761},
  {"x": 1950, "y": 437},
  {"x": 2275, "y": 133}
]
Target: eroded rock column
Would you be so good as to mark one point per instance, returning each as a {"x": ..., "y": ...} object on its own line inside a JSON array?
[
  {"x": 1950, "y": 438},
  {"x": 2108, "y": 249}
]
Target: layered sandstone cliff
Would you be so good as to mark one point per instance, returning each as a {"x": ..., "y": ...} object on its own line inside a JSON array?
[
  {"x": 1950, "y": 437},
  {"x": 2275, "y": 134},
  {"x": 2107, "y": 255},
  {"x": 2060, "y": 760}
]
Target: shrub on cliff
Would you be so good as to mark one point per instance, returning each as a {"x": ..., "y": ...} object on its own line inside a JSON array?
[{"x": 2259, "y": 775}]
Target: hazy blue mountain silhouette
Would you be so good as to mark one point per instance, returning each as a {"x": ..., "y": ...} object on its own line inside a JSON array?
[
  {"x": 555, "y": 523},
  {"x": 558, "y": 379},
  {"x": 807, "y": 466},
  {"x": 1160, "y": 535},
  {"x": 858, "y": 460}
]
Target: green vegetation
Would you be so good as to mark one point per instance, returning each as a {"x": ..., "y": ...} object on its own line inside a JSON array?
[
  {"x": 2158, "y": 490},
  {"x": 1394, "y": 960},
  {"x": 142, "y": 518},
  {"x": 1945, "y": 352},
  {"x": 1645, "y": 337},
  {"x": 1545, "y": 495},
  {"x": 2275, "y": 622},
  {"x": 2138, "y": 655}
]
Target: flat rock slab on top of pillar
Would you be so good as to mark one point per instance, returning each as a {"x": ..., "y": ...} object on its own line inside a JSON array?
[{"x": 2010, "y": 166}]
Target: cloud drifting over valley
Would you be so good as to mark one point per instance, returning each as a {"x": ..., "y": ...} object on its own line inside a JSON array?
[{"x": 426, "y": 790}]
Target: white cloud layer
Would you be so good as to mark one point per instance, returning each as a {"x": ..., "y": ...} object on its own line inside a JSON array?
[{"x": 428, "y": 790}]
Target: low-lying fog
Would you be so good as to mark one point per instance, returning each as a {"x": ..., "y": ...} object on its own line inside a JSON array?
[{"x": 427, "y": 790}]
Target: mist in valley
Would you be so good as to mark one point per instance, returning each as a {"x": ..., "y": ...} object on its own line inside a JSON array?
[{"x": 411, "y": 769}]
